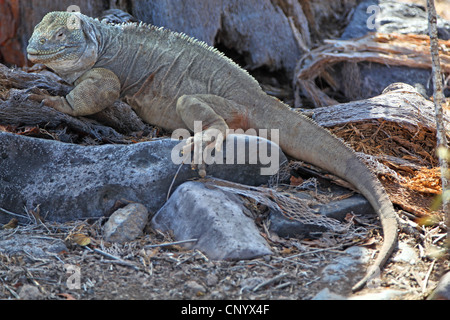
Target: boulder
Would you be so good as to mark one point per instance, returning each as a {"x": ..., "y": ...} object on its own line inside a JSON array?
[
  {"x": 442, "y": 290},
  {"x": 256, "y": 29},
  {"x": 126, "y": 224},
  {"x": 70, "y": 181},
  {"x": 215, "y": 218}
]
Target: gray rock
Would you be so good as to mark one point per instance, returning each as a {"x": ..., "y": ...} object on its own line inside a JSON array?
[
  {"x": 442, "y": 290},
  {"x": 346, "y": 268},
  {"x": 211, "y": 280},
  {"x": 370, "y": 79},
  {"x": 285, "y": 227},
  {"x": 215, "y": 219},
  {"x": 356, "y": 204},
  {"x": 256, "y": 28},
  {"x": 288, "y": 228},
  {"x": 126, "y": 224},
  {"x": 388, "y": 294},
  {"x": 194, "y": 287},
  {"x": 30, "y": 292},
  {"x": 32, "y": 247},
  {"x": 75, "y": 182},
  {"x": 326, "y": 294},
  {"x": 406, "y": 254}
]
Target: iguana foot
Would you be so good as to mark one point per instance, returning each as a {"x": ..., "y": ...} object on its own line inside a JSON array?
[
  {"x": 37, "y": 94},
  {"x": 208, "y": 140}
]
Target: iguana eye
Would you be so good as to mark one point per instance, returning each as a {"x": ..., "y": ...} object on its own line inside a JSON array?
[
  {"x": 42, "y": 41},
  {"x": 60, "y": 36}
]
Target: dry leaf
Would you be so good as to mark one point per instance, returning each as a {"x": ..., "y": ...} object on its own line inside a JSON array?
[
  {"x": 12, "y": 224},
  {"x": 369, "y": 242},
  {"x": 81, "y": 239},
  {"x": 286, "y": 251},
  {"x": 66, "y": 296},
  {"x": 296, "y": 181}
]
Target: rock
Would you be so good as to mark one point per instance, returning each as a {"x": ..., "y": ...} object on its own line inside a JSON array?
[
  {"x": 75, "y": 182},
  {"x": 388, "y": 294},
  {"x": 126, "y": 224},
  {"x": 285, "y": 227},
  {"x": 346, "y": 269},
  {"x": 442, "y": 290},
  {"x": 30, "y": 292},
  {"x": 406, "y": 254},
  {"x": 194, "y": 287},
  {"x": 326, "y": 294},
  {"x": 211, "y": 280},
  {"x": 289, "y": 228},
  {"x": 357, "y": 204},
  {"x": 213, "y": 217},
  {"x": 23, "y": 244},
  {"x": 256, "y": 28}
]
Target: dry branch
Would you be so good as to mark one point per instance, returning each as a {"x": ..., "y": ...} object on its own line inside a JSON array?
[
  {"x": 389, "y": 49},
  {"x": 438, "y": 95},
  {"x": 16, "y": 109}
]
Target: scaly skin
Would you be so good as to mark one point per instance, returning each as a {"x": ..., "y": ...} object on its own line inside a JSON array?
[{"x": 172, "y": 80}]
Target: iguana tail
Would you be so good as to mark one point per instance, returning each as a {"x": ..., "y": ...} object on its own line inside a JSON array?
[{"x": 303, "y": 139}]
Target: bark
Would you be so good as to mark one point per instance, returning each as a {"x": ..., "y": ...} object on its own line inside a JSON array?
[
  {"x": 438, "y": 96},
  {"x": 16, "y": 109}
]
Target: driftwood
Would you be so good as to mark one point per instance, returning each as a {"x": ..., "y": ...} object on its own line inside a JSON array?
[
  {"x": 17, "y": 110},
  {"x": 400, "y": 104},
  {"x": 395, "y": 133},
  {"x": 390, "y": 49}
]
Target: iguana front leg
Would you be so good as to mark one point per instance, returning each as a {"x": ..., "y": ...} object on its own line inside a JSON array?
[
  {"x": 95, "y": 90},
  {"x": 192, "y": 108}
]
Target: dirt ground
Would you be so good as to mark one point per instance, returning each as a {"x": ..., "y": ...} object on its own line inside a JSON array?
[{"x": 89, "y": 268}]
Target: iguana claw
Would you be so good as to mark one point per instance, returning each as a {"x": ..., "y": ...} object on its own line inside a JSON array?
[{"x": 207, "y": 140}]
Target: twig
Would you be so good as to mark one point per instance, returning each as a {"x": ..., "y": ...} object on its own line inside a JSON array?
[
  {"x": 119, "y": 260},
  {"x": 438, "y": 96},
  {"x": 14, "y": 214},
  {"x": 167, "y": 244},
  {"x": 11, "y": 290},
  {"x": 267, "y": 282},
  {"x": 333, "y": 249},
  {"x": 427, "y": 276},
  {"x": 173, "y": 180}
]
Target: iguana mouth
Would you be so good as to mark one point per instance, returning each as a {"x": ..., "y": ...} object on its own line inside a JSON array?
[{"x": 43, "y": 55}]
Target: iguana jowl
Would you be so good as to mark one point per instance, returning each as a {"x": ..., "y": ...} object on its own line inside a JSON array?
[{"x": 172, "y": 80}]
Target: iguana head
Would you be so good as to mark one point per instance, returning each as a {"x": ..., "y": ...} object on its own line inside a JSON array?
[{"x": 63, "y": 42}]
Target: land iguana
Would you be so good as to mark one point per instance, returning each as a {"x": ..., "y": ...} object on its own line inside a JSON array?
[{"x": 172, "y": 80}]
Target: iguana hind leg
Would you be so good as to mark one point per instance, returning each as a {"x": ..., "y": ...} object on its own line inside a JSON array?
[
  {"x": 214, "y": 128},
  {"x": 95, "y": 90}
]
